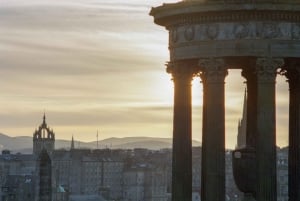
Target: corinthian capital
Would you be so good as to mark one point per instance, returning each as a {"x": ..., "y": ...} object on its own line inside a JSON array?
[
  {"x": 266, "y": 68},
  {"x": 292, "y": 72},
  {"x": 212, "y": 70},
  {"x": 182, "y": 69}
]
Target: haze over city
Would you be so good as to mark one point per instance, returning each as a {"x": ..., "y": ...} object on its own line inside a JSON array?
[{"x": 99, "y": 65}]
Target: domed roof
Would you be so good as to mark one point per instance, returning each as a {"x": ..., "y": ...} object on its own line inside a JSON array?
[{"x": 43, "y": 132}]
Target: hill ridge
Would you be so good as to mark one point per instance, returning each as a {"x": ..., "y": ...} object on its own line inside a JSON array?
[{"x": 24, "y": 143}]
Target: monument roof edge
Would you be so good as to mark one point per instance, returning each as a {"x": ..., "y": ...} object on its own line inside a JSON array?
[{"x": 193, "y": 7}]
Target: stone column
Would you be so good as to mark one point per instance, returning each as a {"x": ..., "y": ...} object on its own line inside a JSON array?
[
  {"x": 182, "y": 132},
  {"x": 213, "y": 135},
  {"x": 251, "y": 134},
  {"x": 292, "y": 72},
  {"x": 266, "y": 128}
]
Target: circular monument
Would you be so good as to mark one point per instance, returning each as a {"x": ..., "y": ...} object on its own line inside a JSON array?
[{"x": 208, "y": 37}]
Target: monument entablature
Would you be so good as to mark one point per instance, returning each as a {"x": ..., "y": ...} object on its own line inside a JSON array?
[
  {"x": 214, "y": 29},
  {"x": 181, "y": 12}
]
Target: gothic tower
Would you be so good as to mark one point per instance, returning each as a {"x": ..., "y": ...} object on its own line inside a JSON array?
[
  {"x": 43, "y": 138},
  {"x": 45, "y": 184}
]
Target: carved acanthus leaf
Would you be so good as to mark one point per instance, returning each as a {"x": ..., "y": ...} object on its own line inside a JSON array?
[
  {"x": 292, "y": 72},
  {"x": 182, "y": 69},
  {"x": 266, "y": 68},
  {"x": 212, "y": 70}
]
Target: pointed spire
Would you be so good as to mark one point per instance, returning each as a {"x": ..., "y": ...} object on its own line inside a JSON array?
[
  {"x": 242, "y": 127},
  {"x": 245, "y": 105},
  {"x": 44, "y": 119},
  {"x": 97, "y": 140},
  {"x": 72, "y": 143}
]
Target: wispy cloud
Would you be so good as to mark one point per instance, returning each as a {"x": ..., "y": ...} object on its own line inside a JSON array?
[{"x": 95, "y": 64}]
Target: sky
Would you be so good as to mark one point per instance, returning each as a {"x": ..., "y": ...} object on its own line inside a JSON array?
[{"x": 99, "y": 65}]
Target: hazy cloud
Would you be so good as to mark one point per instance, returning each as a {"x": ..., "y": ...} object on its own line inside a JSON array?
[{"x": 97, "y": 65}]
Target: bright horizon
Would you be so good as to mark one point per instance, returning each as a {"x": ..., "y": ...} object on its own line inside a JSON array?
[{"x": 98, "y": 65}]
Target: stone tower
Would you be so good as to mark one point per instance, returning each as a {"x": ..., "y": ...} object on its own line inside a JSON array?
[
  {"x": 43, "y": 138},
  {"x": 45, "y": 184}
]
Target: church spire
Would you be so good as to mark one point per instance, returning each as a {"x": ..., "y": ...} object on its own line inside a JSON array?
[
  {"x": 241, "y": 138},
  {"x": 44, "y": 121},
  {"x": 245, "y": 106},
  {"x": 72, "y": 143}
]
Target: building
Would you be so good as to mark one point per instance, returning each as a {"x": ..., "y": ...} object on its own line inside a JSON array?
[
  {"x": 120, "y": 175},
  {"x": 196, "y": 172},
  {"x": 89, "y": 172},
  {"x": 134, "y": 184},
  {"x": 19, "y": 188},
  {"x": 282, "y": 174},
  {"x": 14, "y": 170},
  {"x": 156, "y": 184}
]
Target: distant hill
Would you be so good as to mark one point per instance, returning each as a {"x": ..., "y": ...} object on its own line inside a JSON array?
[
  {"x": 139, "y": 142},
  {"x": 24, "y": 144},
  {"x": 15, "y": 143}
]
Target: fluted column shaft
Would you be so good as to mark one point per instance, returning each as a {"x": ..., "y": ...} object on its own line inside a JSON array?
[
  {"x": 293, "y": 75},
  {"x": 182, "y": 133},
  {"x": 213, "y": 135},
  {"x": 266, "y": 128}
]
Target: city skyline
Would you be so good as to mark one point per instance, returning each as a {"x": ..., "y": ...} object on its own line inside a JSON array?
[{"x": 96, "y": 65}]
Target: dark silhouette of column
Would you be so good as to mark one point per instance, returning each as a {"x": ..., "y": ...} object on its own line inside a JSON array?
[
  {"x": 247, "y": 175},
  {"x": 182, "y": 75},
  {"x": 266, "y": 69},
  {"x": 213, "y": 73},
  {"x": 292, "y": 72}
]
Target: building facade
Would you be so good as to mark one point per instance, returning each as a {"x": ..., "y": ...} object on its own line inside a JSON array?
[{"x": 120, "y": 175}]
